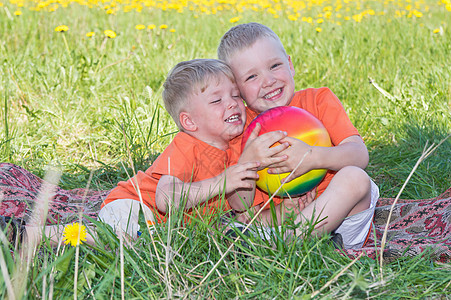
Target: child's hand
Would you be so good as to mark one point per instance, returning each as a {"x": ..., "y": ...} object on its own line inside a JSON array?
[
  {"x": 297, "y": 151},
  {"x": 240, "y": 176},
  {"x": 258, "y": 148}
]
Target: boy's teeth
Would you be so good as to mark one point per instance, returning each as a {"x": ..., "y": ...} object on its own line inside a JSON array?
[
  {"x": 232, "y": 119},
  {"x": 270, "y": 95}
]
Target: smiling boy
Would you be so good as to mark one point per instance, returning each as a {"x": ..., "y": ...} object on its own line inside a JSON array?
[
  {"x": 198, "y": 166},
  {"x": 265, "y": 76}
]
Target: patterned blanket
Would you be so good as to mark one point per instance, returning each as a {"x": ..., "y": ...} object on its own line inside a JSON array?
[
  {"x": 19, "y": 190},
  {"x": 416, "y": 226}
]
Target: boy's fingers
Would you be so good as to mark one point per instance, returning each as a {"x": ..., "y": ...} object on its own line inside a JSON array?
[
  {"x": 278, "y": 148},
  {"x": 272, "y": 137},
  {"x": 278, "y": 170},
  {"x": 290, "y": 140},
  {"x": 255, "y": 132},
  {"x": 272, "y": 161},
  {"x": 251, "y": 165}
]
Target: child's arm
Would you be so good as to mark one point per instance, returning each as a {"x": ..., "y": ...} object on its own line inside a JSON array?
[
  {"x": 350, "y": 152},
  {"x": 171, "y": 191}
]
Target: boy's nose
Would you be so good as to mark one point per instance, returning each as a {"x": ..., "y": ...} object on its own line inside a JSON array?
[
  {"x": 232, "y": 103},
  {"x": 269, "y": 80}
]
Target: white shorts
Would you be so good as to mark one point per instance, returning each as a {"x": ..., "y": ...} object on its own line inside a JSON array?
[
  {"x": 124, "y": 214},
  {"x": 354, "y": 229}
]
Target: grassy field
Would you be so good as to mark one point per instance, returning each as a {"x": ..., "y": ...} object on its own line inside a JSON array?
[{"x": 68, "y": 95}]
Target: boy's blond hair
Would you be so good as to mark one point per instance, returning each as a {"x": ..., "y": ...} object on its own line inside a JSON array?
[
  {"x": 185, "y": 78},
  {"x": 243, "y": 36}
]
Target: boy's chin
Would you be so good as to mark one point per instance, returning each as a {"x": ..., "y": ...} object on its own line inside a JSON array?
[
  {"x": 236, "y": 132},
  {"x": 267, "y": 104}
]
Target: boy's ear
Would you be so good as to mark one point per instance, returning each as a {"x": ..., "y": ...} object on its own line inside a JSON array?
[
  {"x": 186, "y": 121},
  {"x": 291, "y": 66}
]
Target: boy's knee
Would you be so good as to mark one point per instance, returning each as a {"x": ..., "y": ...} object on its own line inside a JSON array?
[{"x": 357, "y": 179}]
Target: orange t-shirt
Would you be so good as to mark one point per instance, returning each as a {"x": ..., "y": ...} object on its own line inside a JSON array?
[
  {"x": 186, "y": 158},
  {"x": 325, "y": 106}
]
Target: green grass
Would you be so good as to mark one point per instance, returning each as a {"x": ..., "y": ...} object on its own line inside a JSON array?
[{"x": 72, "y": 107}]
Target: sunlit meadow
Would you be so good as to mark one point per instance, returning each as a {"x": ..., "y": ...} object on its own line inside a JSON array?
[{"x": 80, "y": 89}]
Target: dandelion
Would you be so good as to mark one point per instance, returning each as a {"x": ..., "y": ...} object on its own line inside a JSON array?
[
  {"x": 74, "y": 234},
  {"x": 140, "y": 27},
  {"x": 163, "y": 26},
  {"x": 17, "y": 13},
  {"x": 151, "y": 27},
  {"x": 61, "y": 28},
  {"x": 172, "y": 30},
  {"x": 319, "y": 21},
  {"x": 318, "y": 29},
  {"x": 234, "y": 19},
  {"x": 90, "y": 34},
  {"x": 110, "y": 33},
  {"x": 436, "y": 30}
]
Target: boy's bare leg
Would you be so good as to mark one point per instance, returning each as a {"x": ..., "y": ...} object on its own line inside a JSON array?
[{"x": 348, "y": 193}]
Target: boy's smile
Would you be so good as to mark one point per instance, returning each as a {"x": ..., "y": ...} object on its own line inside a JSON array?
[
  {"x": 264, "y": 75},
  {"x": 216, "y": 113}
]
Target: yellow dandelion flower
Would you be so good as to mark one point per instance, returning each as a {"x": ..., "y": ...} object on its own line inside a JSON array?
[
  {"x": 417, "y": 13},
  {"x": 110, "y": 33},
  {"x": 61, "y": 28},
  {"x": 172, "y": 30},
  {"x": 110, "y": 11},
  {"x": 163, "y": 26},
  {"x": 292, "y": 17},
  {"x": 90, "y": 34},
  {"x": 140, "y": 27},
  {"x": 234, "y": 19},
  {"x": 436, "y": 30},
  {"x": 319, "y": 21},
  {"x": 318, "y": 29},
  {"x": 17, "y": 13},
  {"x": 74, "y": 234},
  {"x": 151, "y": 27}
]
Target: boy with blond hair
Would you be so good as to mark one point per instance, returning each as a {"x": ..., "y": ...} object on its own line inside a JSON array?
[
  {"x": 264, "y": 73},
  {"x": 198, "y": 166}
]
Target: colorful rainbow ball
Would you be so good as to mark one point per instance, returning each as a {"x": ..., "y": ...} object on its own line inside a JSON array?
[{"x": 300, "y": 124}]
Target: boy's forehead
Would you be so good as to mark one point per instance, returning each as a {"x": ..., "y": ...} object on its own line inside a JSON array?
[
  {"x": 212, "y": 80},
  {"x": 268, "y": 41}
]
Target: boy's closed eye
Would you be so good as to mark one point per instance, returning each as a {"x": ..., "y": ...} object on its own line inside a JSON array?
[
  {"x": 250, "y": 77},
  {"x": 275, "y": 65},
  {"x": 215, "y": 101}
]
